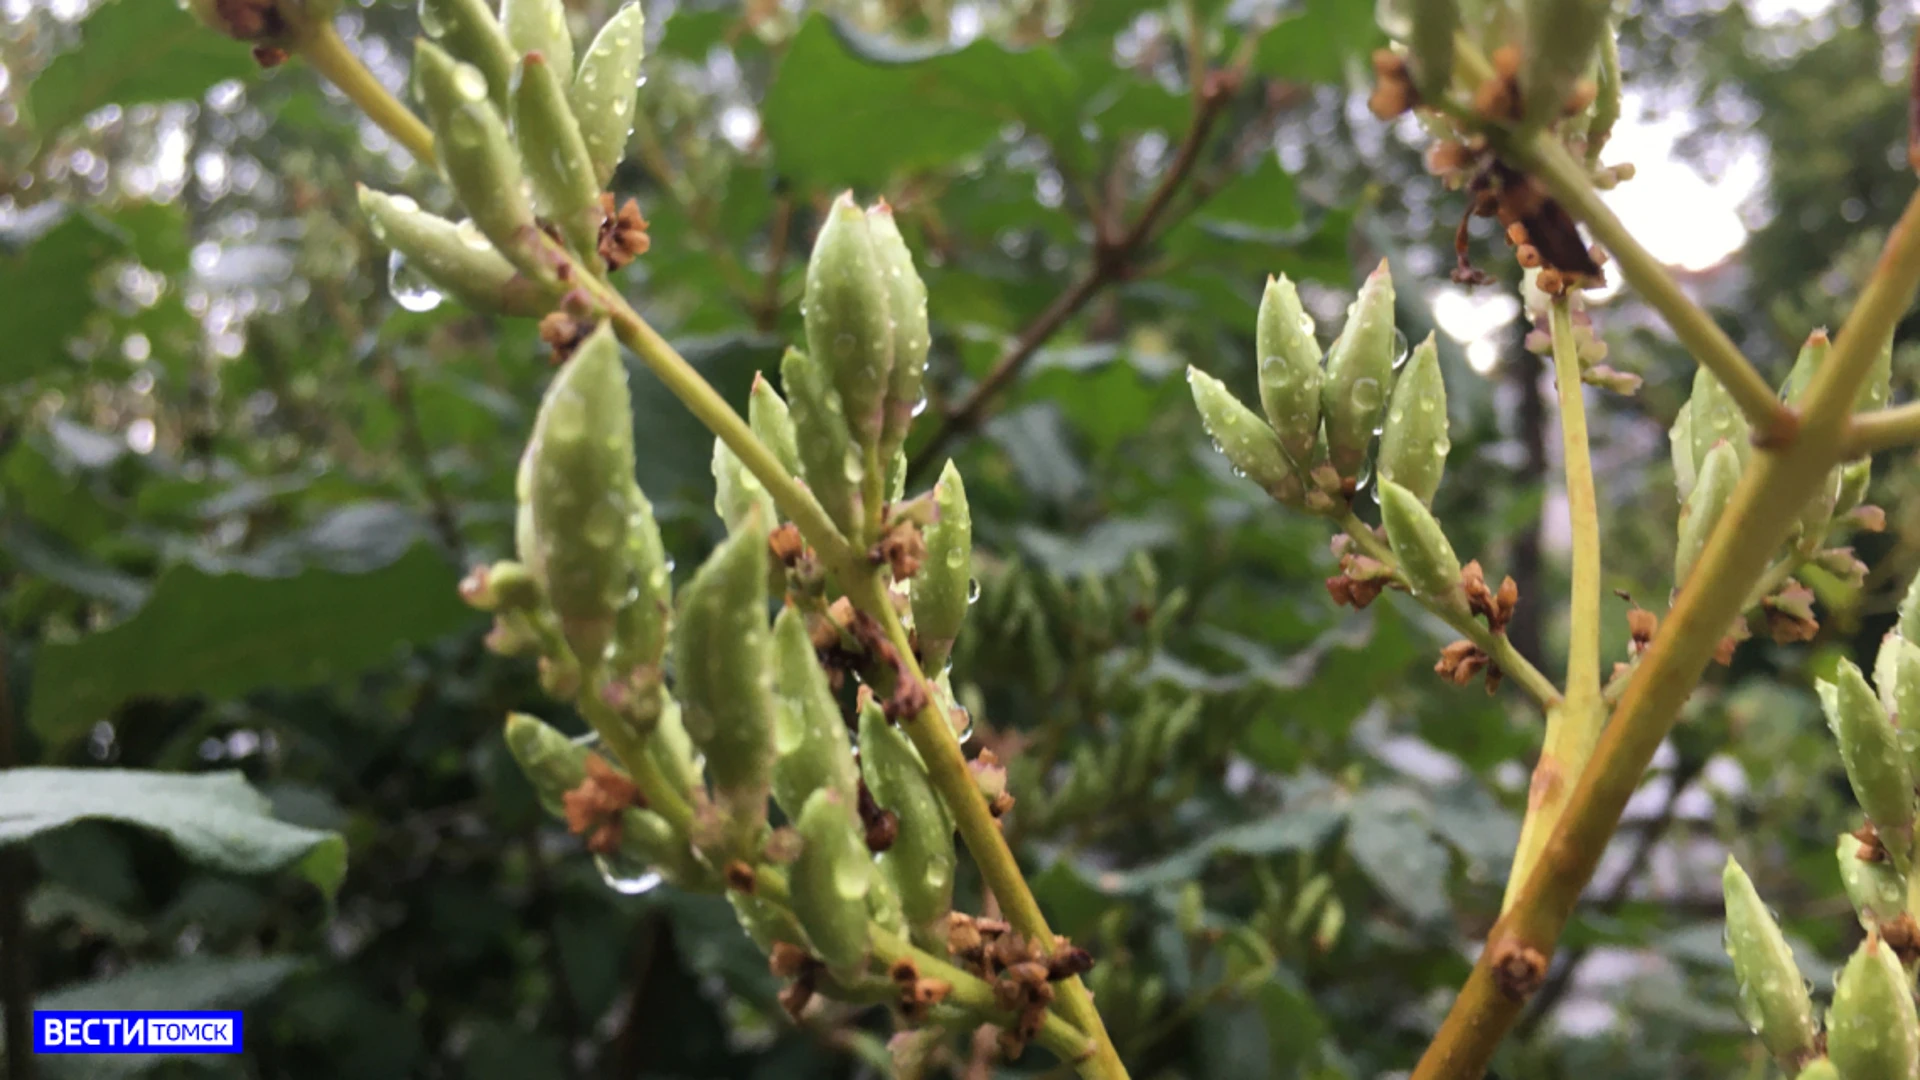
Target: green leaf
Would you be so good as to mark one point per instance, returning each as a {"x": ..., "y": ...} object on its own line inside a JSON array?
[
  {"x": 1319, "y": 44},
  {"x": 1301, "y": 826},
  {"x": 213, "y": 818},
  {"x": 848, "y": 109},
  {"x": 204, "y": 982},
  {"x": 46, "y": 273},
  {"x": 223, "y": 634},
  {"x": 1390, "y": 835},
  {"x": 133, "y": 51}
]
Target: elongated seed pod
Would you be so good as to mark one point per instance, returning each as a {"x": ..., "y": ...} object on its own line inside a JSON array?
[
  {"x": 1773, "y": 997},
  {"x": 1245, "y": 438},
  {"x": 907, "y": 315},
  {"x": 1878, "y": 892},
  {"x": 722, "y": 654},
  {"x": 640, "y": 627},
  {"x": 772, "y": 424},
  {"x": 1562, "y": 37},
  {"x": 471, "y": 141},
  {"x": 671, "y": 750},
  {"x": 605, "y": 87},
  {"x": 829, "y": 463},
  {"x": 1430, "y": 46},
  {"x": 1719, "y": 474},
  {"x": 578, "y": 468},
  {"x": 564, "y": 189},
  {"x": 1872, "y": 1031},
  {"x": 848, "y": 308},
  {"x": 944, "y": 586},
  {"x": 738, "y": 495},
  {"x": 1414, "y": 444},
  {"x": 1290, "y": 373},
  {"x": 1813, "y": 353},
  {"x": 1680, "y": 446},
  {"x": 539, "y": 26},
  {"x": 831, "y": 880},
  {"x": 553, "y": 763},
  {"x": 766, "y": 924},
  {"x": 1432, "y": 569},
  {"x": 456, "y": 258},
  {"x": 920, "y": 863},
  {"x": 1359, "y": 373},
  {"x": 810, "y": 745},
  {"x": 468, "y": 30},
  {"x": 1716, "y": 417},
  {"x": 1870, "y": 749}
]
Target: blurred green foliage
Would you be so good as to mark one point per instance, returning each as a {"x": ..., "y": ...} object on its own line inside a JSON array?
[{"x": 238, "y": 480}]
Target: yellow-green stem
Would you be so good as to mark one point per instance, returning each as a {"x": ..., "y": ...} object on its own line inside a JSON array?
[
  {"x": 1508, "y": 658},
  {"x": 1884, "y": 429},
  {"x": 320, "y": 45},
  {"x": 1762, "y": 512},
  {"x": 932, "y": 734},
  {"x": 969, "y": 991},
  {"x": 629, "y": 747},
  {"x": 1574, "y": 727}
]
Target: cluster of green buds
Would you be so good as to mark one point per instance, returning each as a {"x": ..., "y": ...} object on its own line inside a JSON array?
[
  {"x": 1871, "y": 1029},
  {"x": 746, "y": 733},
  {"x": 527, "y": 140},
  {"x": 1314, "y": 450},
  {"x": 1712, "y": 443}
]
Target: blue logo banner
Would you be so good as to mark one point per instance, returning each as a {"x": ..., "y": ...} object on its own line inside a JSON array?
[{"x": 119, "y": 1031}]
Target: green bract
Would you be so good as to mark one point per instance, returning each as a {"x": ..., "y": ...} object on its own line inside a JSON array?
[
  {"x": 907, "y": 315},
  {"x": 468, "y": 30},
  {"x": 772, "y": 423},
  {"x": 1244, "y": 438},
  {"x": 1773, "y": 996},
  {"x": 455, "y": 258},
  {"x": 810, "y": 744},
  {"x": 539, "y": 26},
  {"x": 1876, "y": 763},
  {"x": 1432, "y": 569},
  {"x": 1872, "y": 1032},
  {"x": 1714, "y": 417},
  {"x": 1290, "y": 374},
  {"x": 920, "y": 863},
  {"x": 849, "y": 315},
  {"x": 1878, "y": 892},
  {"x": 577, "y": 482},
  {"x": 1414, "y": 444},
  {"x": 480, "y": 160},
  {"x": 1359, "y": 374},
  {"x": 605, "y": 87},
  {"x": 944, "y": 587},
  {"x": 831, "y": 880},
  {"x": 1712, "y": 490},
  {"x": 829, "y": 462},
  {"x": 565, "y": 191}
]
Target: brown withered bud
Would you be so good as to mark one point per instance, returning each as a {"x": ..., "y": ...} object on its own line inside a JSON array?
[
  {"x": 593, "y": 808},
  {"x": 786, "y": 545},
  {"x": 1527, "y": 256},
  {"x": 739, "y": 876},
  {"x": 1868, "y": 518},
  {"x": 623, "y": 233},
  {"x": 787, "y": 960},
  {"x": 562, "y": 332},
  {"x": 1001, "y": 805},
  {"x": 1518, "y": 969},
  {"x": 795, "y": 997},
  {"x": 1393, "y": 92},
  {"x": 1068, "y": 961},
  {"x": 270, "y": 56},
  {"x": 1871, "y": 849},
  {"x": 1641, "y": 625},
  {"x": 605, "y": 838},
  {"x": 1580, "y": 97},
  {"x": 1446, "y": 158},
  {"x": 908, "y": 698},
  {"x": 902, "y": 549},
  {"x": 882, "y": 825},
  {"x": 782, "y": 846},
  {"x": 1461, "y": 661},
  {"x": 1550, "y": 282},
  {"x": 903, "y": 971},
  {"x": 1902, "y": 935},
  {"x": 964, "y": 939},
  {"x": 1516, "y": 234},
  {"x": 1790, "y": 614},
  {"x": 1011, "y": 1045}
]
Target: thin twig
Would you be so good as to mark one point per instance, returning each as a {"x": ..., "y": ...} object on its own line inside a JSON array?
[
  {"x": 1113, "y": 259},
  {"x": 1884, "y": 429},
  {"x": 767, "y": 315},
  {"x": 413, "y": 444}
]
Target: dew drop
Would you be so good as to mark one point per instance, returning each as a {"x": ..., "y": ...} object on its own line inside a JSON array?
[
  {"x": 410, "y": 288},
  {"x": 1366, "y": 394},
  {"x": 1400, "y": 352},
  {"x": 920, "y": 406},
  {"x": 430, "y": 19},
  {"x": 956, "y": 558},
  {"x": 626, "y": 876},
  {"x": 973, "y": 590},
  {"x": 470, "y": 84}
]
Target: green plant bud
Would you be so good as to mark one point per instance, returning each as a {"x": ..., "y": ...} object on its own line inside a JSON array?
[
  {"x": 605, "y": 87},
  {"x": 640, "y": 627},
  {"x": 829, "y": 463},
  {"x": 1813, "y": 353},
  {"x": 897, "y": 476},
  {"x": 772, "y": 424},
  {"x": 1432, "y": 569},
  {"x": 944, "y": 587},
  {"x": 1879, "y": 385},
  {"x": 1719, "y": 475},
  {"x": 848, "y": 309},
  {"x": 738, "y": 496},
  {"x": 649, "y": 844},
  {"x": 1817, "y": 516},
  {"x": 1430, "y": 46},
  {"x": 1290, "y": 375},
  {"x": 1818, "y": 1069},
  {"x": 810, "y": 745},
  {"x": 539, "y": 26},
  {"x": 671, "y": 750},
  {"x": 1245, "y": 439},
  {"x": 1878, "y": 892},
  {"x": 1607, "y": 97},
  {"x": 1909, "y": 625},
  {"x": 907, "y": 315},
  {"x": 1680, "y": 445},
  {"x": 1359, "y": 372},
  {"x": 722, "y": 653},
  {"x": 1872, "y": 1031},
  {"x": 1717, "y": 418},
  {"x": 766, "y": 924},
  {"x": 1414, "y": 444},
  {"x": 1855, "y": 476},
  {"x": 554, "y": 764},
  {"x": 831, "y": 880},
  {"x": 564, "y": 189},
  {"x": 457, "y": 259},
  {"x": 883, "y": 905},
  {"x": 480, "y": 160},
  {"x": 921, "y": 861},
  {"x": 1773, "y": 996},
  {"x": 1870, "y": 748},
  {"x": 578, "y": 473},
  {"x": 1896, "y": 675},
  {"x": 468, "y": 30},
  {"x": 1558, "y": 50}
]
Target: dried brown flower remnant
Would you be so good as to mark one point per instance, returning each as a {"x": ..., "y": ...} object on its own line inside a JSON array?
[
  {"x": 1902, "y": 935},
  {"x": 1641, "y": 626},
  {"x": 562, "y": 333},
  {"x": 623, "y": 233},
  {"x": 882, "y": 825},
  {"x": 249, "y": 20},
  {"x": 1462, "y": 660},
  {"x": 1496, "y": 606},
  {"x": 1790, "y": 614},
  {"x": 593, "y": 809},
  {"x": 1518, "y": 969},
  {"x": 902, "y": 549},
  {"x": 1393, "y": 92},
  {"x": 1871, "y": 849},
  {"x": 785, "y": 544}
]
